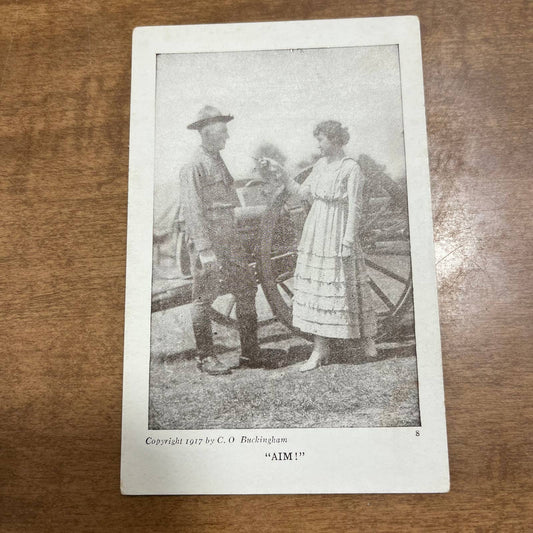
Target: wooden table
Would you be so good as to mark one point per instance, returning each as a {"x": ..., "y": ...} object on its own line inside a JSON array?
[{"x": 64, "y": 107}]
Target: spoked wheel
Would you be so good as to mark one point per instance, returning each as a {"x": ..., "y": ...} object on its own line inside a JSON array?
[
  {"x": 222, "y": 311},
  {"x": 387, "y": 255},
  {"x": 389, "y": 269},
  {"x": 277, "y": 260}
]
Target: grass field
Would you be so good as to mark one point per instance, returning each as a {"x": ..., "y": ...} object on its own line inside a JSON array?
[{"x": 349, "y": 392}]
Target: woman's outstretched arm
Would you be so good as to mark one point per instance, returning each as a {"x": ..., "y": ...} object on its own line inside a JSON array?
[{"x": 269, "y": 166}]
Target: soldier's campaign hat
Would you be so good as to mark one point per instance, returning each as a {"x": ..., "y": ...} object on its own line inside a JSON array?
[{"x": 207, "y": 115}]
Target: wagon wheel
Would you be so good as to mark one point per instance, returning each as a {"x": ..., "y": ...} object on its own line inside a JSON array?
[{"x": 385, "y": 244}]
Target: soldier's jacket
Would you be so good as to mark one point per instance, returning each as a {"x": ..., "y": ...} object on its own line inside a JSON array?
[{"x": 207, "y": 199}]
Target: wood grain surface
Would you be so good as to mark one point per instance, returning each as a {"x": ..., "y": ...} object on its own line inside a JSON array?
[{"x": 64, "y": 126}]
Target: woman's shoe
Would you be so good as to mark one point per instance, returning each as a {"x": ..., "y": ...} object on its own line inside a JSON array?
[
  {"x": 212, "y": 366},
  {"x": 315, "y": 360}
]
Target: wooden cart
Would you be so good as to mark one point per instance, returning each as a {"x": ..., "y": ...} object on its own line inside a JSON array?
[{"x": 270, "y": 224}]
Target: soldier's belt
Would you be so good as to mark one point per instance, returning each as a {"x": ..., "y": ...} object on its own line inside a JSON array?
[{"x": 220, "y": 212}]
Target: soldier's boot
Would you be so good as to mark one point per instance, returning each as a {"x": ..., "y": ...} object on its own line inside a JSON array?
[
  {"x": 250, "y": 353},
  {"x": 206, "y": 360}
]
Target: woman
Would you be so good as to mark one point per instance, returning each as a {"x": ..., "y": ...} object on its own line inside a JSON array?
[{"x": 331, "y": 293}]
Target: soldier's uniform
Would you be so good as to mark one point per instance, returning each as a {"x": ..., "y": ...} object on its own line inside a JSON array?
[{"x": 207, "y": 201}]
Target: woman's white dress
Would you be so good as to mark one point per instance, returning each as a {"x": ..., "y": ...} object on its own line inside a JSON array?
[{"x": 331, "y": 293}]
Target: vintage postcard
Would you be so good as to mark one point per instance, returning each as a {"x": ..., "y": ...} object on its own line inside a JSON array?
[{"x": 282, "y": 329}]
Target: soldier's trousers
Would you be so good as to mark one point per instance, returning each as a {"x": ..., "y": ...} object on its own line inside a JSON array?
[{"x": 231, "y": 277}]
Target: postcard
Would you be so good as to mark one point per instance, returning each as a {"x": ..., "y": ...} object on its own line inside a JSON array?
[{"x": 281, "y": 317}]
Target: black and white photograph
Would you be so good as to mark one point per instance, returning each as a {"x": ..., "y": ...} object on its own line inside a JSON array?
[
  {"x": 280, "y": 286},
  {"x": 281, "y": 242}
]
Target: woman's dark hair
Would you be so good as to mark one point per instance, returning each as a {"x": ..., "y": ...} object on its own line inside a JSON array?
[{"x": 334, "y": 131}]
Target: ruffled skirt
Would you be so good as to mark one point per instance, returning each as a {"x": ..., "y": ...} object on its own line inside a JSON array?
[{"x": 331, "y": 294}]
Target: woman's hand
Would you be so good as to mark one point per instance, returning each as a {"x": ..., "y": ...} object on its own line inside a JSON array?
[
  {"x": 346, "y": 250},
  {"x": 271, "y": 169}
]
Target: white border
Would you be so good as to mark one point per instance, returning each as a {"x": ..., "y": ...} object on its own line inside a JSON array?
[{"x": 359, "y": 460}]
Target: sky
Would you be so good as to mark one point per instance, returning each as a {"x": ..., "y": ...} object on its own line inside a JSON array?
[{"x": 276, "y": 96}]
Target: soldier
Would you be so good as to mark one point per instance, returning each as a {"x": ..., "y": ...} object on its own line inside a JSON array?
[{"x": 218, "y": 262}]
